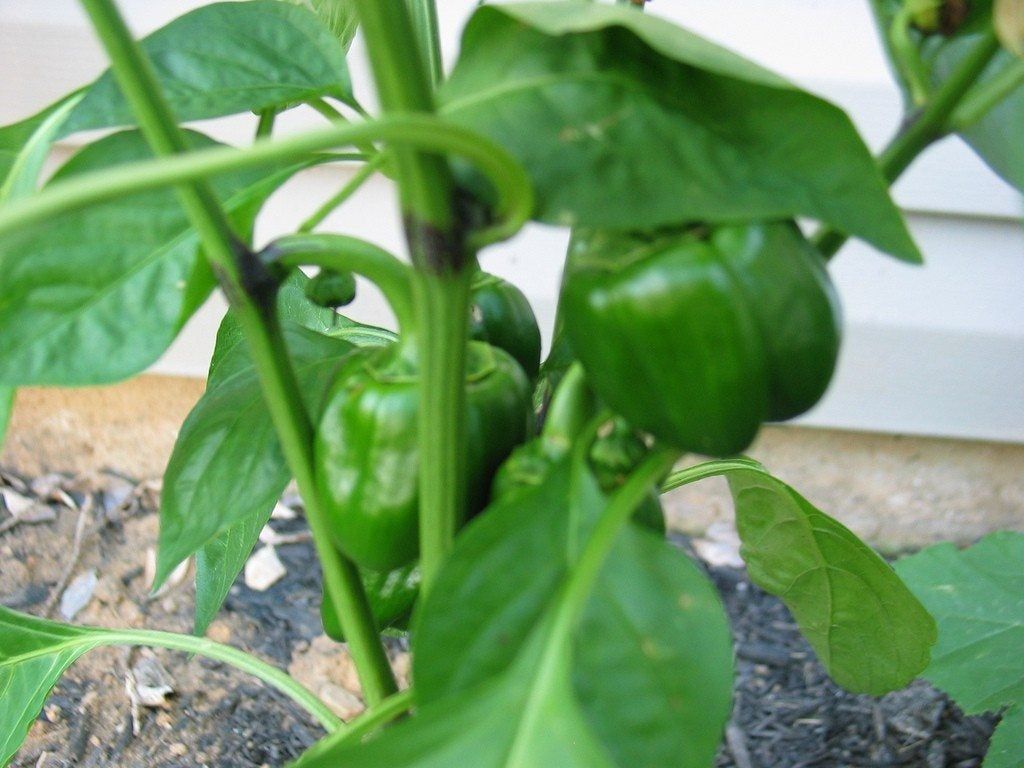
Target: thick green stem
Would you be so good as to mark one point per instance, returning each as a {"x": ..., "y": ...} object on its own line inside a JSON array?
[
  {"x": 442, "y": 308},
  {"x": 269, "y": 674},
  {"x": 923, "y": 128},
  {"x": 515, "y": 197},
  {"x": 350, "y": 188},
  {"x": 445, "y": 262},
  {"x": 251, "y": 293},
  {"x": 424, "y": 21},
  {"x": 343, "y": 253}
]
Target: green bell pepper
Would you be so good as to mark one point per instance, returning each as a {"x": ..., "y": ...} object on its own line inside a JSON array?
[
  {"x": 501, "y": 315},
  {"x": 698, "y": 337}
]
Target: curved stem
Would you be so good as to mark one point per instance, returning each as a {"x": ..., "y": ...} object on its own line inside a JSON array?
[
  {"x": 907, "y": 55},
  {"x": 342, "y": 253},
  {"x": 922, "y": 129},
  {"x": 705, "y": 470},
  {"x": 239, "y": 659},
  {"x": 515, "y": 193},
  {"x": 349, "y": 189},
  {"x": 251, "y": 292}
]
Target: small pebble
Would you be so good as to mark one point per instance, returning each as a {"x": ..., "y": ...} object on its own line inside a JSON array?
[
  {"x": 264, "y": 569},
  {"x": 342, "y": 702},
  {"x": 77, "y": 595}
]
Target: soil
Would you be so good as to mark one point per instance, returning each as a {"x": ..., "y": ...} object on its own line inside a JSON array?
[{"x": 788, "y": 714}]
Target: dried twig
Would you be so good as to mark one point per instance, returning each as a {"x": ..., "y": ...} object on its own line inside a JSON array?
[{"x": 76, "y": 555}]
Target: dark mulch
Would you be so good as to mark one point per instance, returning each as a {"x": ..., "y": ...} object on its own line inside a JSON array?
[{"x": 788, "y": 714}]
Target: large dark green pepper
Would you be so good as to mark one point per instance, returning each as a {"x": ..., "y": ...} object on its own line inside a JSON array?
[
  {"x": 698, "y": 338},
  {"x": 366, "y": 447},
  {"x": 501, "y": 315},
  {"x": 391, "y": 595}
]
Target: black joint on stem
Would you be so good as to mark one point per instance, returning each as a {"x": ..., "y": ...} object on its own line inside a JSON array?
[
  {"x": 258, "y": 274},
  {"x": 437, "y": 250}
]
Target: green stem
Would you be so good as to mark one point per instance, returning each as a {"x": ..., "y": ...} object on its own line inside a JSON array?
[
  {"x": 236, "y": 658},
  {"x": 442, "y": 309},
  {"x": 705, "y": 470},
  {"x": 445, "y": 261},
  {"x": 907, "y": 56},
  {"x": 515, "y": 194},
  {"x": 423, "y": 14},
  {"x": 373, "y": 718},
  {"x": 343, "y": 253},
  {"x": 350, "y": 188},
  {"x": 986, "y": 95},
  {"x": 928, "y": 125},
  {"x": 266, "y": 124},
  {"x": 425, "y": 181},
  {"x": 251, "y": 293}
]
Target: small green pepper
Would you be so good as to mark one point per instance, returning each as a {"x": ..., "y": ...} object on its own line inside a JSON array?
[
  {"x": 391, "y": 594},
  {"x": 501, "y": 315},
  {"x": 698, "y": 340},
  {"x": 366, "y": 451}
]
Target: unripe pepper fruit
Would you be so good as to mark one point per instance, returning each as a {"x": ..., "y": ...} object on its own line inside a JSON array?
[
  {"x": 697, "y": 339},
  {"x": 367, "y": 456},
  {"x": 501, "y": 315}
]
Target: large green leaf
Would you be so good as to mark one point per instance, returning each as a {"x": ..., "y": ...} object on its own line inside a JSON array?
[
  {"x": 653, "y": 690},
  {"x": 220, "y": 59},
  {"x": 651, "y": 661},
  {"x": 624, "y": 120},
  {"x": 867, "y": 628},
  {"x": 227, "y": 469},
  {"x": 977, "y": 597},
  {"x": 97, "y": 295},
  {"x": 226, "y": 58}
]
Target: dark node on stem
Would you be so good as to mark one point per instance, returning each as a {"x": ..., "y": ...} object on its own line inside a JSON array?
[
  {"x": 436, "y": 250},
  {"x": 259, "y": 277}
]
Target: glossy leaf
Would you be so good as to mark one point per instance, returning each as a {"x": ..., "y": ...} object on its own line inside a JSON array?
[
  {"x": 33, "y": 655},
  {"x": 227, "y": 470},
  {"x": 867, "y": 628},
  {"x": 977, "y": 598},
  {"x": 651, "y": 662},
  {"x": 220, "y": 59},
  {"x": 624, "y": 120},
  {"x": 226, "y": 58},
  {"x": 97, "y": 295},
  {"x": 339, "y": 15},
  {"x": 22, "y": 176}
]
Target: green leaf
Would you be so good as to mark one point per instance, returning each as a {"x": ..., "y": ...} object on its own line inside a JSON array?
[
  {"x": 651, "y": 660},
  {"x": 536, "y": 694},
  {"x": 33, "y": 655},
  {"x": 226, "y": 58},
  {"x": 97, "y": 295},
  {"x": 977, "y": 598},
  {"x": 227, "y": 469},
  {"x": 867, "y": 628},
  {"x": 22, "y": 176},
  {"x": 624, "y": 120},
  {"x": 339, "y": 15}
]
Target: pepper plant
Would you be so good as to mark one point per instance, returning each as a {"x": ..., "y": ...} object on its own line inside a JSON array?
[{"x": 503, "y": 512}]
